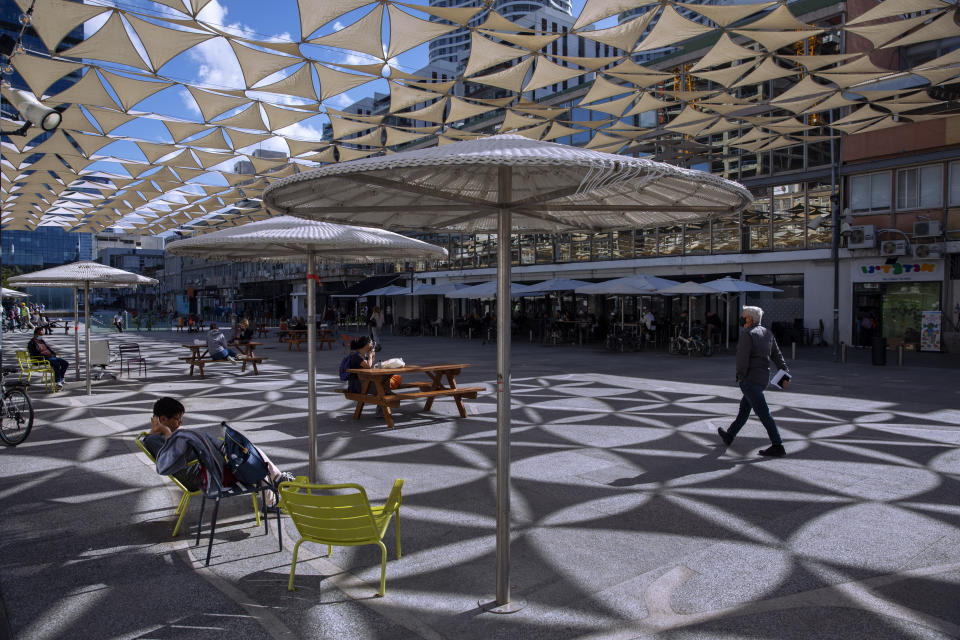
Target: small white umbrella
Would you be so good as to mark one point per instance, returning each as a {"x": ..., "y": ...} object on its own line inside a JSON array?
[
  {"x": 489, "y": 290},
  {"x": 557, "y": 284},
  {"x": 437, "y": 289},
  {"x": 628, "y": 286},
  {"x": 289, "y": 239},
  {"x": 87, "y": 275},
  {"x": 11, "y": 293},
  {"x": 729, "y": 285}
]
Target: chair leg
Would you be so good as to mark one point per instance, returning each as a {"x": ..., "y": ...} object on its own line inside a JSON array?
[
  {"x": 293, "y": 564},
  {"x": 213, "y": 529},
  {"x": 256, "y": 508},
  {"x": 182, "y": 510},
  {"x": 396, "y": 526},
  {"x": 279, "y": 532},
  {"x": 383, "y": 569},
  {"x": 203, "y": 503}
]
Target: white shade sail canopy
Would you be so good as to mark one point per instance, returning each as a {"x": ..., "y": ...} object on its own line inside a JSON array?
[
  {"x": 687, "y": 288},
  {"x": 554, "y": 187},
  {"x": 732, "y": 285},
  {"x": 80, "y": 273},
  {"x": 289, "y": 239},
  {"x": 630, "y": 285},
  {"x": 489, "y": 290},
  {"x": 11, "y": 293}
]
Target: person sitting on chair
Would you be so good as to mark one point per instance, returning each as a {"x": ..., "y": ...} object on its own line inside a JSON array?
[
  {"x": 167, "y": 418},
  {"x": 217, "y": 345},
  {"x": 40, "y": 349},
  {"x": 244, "y": 333}
]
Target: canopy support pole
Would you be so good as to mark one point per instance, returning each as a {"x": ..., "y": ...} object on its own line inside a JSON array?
[
  {"x": 86, "y": 325},
  {"x": 76, "y": 329},
  {"x": 312, "y": 365},
  {"x": 501, "y": 602}
]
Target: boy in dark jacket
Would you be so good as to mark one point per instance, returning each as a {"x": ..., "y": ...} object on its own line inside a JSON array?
[{"x": 38, "y": 348}]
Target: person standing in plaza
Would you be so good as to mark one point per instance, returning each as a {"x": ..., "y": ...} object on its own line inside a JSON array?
[
  {"x": 755, "y": 349},
  {"x": 375, "y": 321}
]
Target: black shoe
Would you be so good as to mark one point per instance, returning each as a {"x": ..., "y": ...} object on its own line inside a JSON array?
[
  {"x": 773, "y": 451},
  {"x": 726, "y": 437}
]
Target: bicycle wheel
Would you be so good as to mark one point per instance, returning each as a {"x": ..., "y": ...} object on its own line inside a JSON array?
[{"x": 17, "y": 417}]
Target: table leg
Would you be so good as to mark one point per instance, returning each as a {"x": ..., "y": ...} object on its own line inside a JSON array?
[
  {"x": 435, "y": 383},
  {"x": 200, "y": 366},
  {"x": 360, "y": 403}
]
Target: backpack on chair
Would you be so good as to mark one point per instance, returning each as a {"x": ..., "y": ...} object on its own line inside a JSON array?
[
  {"x": 242, "y": 457},
  {"x": 344, "y": 365}
]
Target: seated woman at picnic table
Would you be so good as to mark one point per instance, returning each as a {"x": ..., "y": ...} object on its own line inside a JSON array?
[
  {"x": 217, "y": 345},
  {"x": 244, "y": 333},
  {"x": 299, "y": 324},
  {"x": 167, "y": 418}
]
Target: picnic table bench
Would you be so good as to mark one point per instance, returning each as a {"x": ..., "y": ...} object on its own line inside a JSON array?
[
  {"x": 375, "y": 388},
  {"x": 200, "y": 357},
  {"x": 299, "y": 336}
]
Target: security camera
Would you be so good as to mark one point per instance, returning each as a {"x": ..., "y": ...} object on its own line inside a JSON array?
[{"x": 32, "y": 110}]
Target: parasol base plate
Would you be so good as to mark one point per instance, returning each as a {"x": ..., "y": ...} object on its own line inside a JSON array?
[{"x": 489, "y": 604}]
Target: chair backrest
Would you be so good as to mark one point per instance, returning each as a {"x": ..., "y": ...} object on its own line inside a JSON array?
[
  {"x": 146, "y": 452},
  {"x": 329, "y": 513},
  {"x": 23, "y": 359},
  {"x": 129, "y": 348}
]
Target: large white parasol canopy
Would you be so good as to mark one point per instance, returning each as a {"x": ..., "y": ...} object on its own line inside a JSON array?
[
  {"x": 505, "y": 184},
  {"x": 285, "y": 238},
  {"x": 11, "y": 293},
  {"x": 627, "y": 286},
  {"x": 85, "y": 275}
]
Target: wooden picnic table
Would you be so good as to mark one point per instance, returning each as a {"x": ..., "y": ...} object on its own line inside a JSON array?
[
  {"x": 299, "y": 336},
  {"x": 262, "y": 330},
  {"x": 375, "y": 388},
  {"x": 200, "y": 357}
]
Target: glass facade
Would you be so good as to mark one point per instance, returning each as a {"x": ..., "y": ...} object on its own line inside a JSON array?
[{"x": 45, "y": 247}]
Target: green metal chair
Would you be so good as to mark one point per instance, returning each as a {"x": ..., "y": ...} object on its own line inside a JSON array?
[
  {"x": 187, "y": 493},
  {"x": 339, "y": 515},
  {"x": 30, "y": 365}
]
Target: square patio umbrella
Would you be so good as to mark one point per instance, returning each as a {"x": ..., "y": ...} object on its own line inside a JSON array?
[
  {"x": 289, "y": 239},
  {"x": 635, "y": 285},
  {"x": 87, "y": 275},
  {"x": 729, "y": 285},
  {"x": 503, "y": 184},
  {"x": 489, "y": 290}
]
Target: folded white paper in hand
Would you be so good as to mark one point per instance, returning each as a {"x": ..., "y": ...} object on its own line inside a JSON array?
[
  {"x": 779, "y": 378},
  {"x": 393, "y": 363}
]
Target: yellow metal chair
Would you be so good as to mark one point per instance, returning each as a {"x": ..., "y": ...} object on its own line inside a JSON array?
[
  {"x": 187, "y": 493},
  {"x": 31, "y": 364},
  {"x": 339, "y": 515}
]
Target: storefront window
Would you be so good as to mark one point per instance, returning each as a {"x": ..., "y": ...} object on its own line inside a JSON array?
[
  {"x": 527, "y": 249},
  {"x": 789, "y": 216},
  {"x": 580, "y": 245},
  {"x": 544, "y": 249},
  {"x": 892, "y": 310},
  {"x": 697, "y": 239},
  {"x": 726, "y": 234},
  {"x": 564, "y": 247},
  {"x": 756, "y": 221},
  {"x": 819, "y": 215},
  {"x": 621, "y": 244},
  {"x": 645, "y": 242},
  {"x": 782, "y": 310},
  {"x": 601, "y": 246},
  {"x": 671, "y": 240}
]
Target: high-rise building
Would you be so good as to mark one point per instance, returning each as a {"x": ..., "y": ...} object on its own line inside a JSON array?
[{"x": 455, "y": 46}]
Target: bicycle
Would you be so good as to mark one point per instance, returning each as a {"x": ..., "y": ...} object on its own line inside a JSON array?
[
  {"x": 683, "y": 345},
  {"x": 16, "y": 411}
]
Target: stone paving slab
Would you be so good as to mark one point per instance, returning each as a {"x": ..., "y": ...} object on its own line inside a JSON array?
[{"x": 629, "y": 519}]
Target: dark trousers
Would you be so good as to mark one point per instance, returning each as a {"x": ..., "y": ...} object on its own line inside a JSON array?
[
  {"x": 60, "y": 367},
  {"x": 753, "y": 399}
]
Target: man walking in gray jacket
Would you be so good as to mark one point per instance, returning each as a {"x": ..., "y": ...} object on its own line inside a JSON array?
[{"x": 755, "y": 349}]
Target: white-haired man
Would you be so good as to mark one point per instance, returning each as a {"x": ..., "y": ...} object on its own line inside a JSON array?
[{"x": 755, "y": 349}]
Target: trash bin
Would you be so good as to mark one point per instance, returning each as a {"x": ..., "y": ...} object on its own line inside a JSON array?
[{"x": 879, "y": 350}]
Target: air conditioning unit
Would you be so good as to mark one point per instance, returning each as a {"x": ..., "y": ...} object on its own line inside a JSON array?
[
  {"x": 926, "y": 228},
  {"x": 930, "y": 250},
  {"x": 893, "y": 248},
  {"x": 862, "y": 237}
]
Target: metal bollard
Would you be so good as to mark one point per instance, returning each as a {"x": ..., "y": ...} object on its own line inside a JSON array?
[
  {"x": 793, "y": 350},
  {"x": 470, "y": 333},
  {"x": 899, "y": 355},
  {"x": 843, "y": 352}
]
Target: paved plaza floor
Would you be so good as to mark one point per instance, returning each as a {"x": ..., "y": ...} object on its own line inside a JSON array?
[{"x": 629, "y": 519}]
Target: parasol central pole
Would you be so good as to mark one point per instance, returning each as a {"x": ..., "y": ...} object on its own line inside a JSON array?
[
  {"x": 502, "y": 602},
  {"x": 312, "y": 365},
  {"x": 76, "y": 328},
  {"x": 86, "y": 325}
]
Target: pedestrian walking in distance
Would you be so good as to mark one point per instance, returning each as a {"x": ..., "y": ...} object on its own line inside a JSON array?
[{"x": 755, "y": 349}]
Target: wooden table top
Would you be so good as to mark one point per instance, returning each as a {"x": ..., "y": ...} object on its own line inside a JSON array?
[{"x": 408, "y": 369}]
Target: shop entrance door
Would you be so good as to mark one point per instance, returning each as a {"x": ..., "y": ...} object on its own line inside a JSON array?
[{"x": 867, "y": 313}]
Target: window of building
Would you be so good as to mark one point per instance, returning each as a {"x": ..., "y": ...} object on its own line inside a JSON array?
[
  {"x": 954, "y": 186},
  {"x": 920, "y": 187},
  {"x": 870, "y": 192}
]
